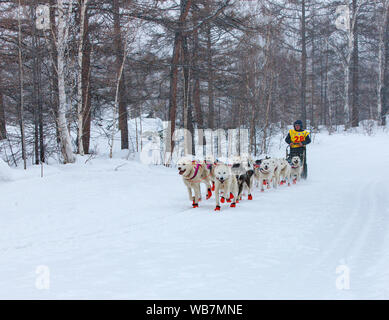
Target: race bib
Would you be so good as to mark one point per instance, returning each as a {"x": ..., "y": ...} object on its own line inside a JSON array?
[{"x": 297, "y": 137}]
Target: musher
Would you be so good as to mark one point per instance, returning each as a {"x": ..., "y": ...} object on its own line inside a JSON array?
[{"x": 297, "y": 139}]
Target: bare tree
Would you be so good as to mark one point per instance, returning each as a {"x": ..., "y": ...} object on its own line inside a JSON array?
[
  {"x": 80, "y": 109},
  {"x": 61, "y": 44},
  {"x": 355, "y": 68},
  {"x": 383, "y": 29},
  {"x": 120, "y": 57},
  {"x": 385, "y": 89},
  {"x": 21, "y": 86},
  {"x": 303, "y": 63},
  {"x": 3, "y": 130}
]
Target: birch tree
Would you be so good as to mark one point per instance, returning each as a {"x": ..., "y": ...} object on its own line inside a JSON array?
[
  {"x": 21, "y": 87},
  {"x": 80, "y": 111},
  {"x": 349, "y": 26},
  {"x": 61, "y": 44}
]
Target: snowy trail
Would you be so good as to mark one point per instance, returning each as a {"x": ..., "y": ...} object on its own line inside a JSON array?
[{"x": 132, "y": 234}]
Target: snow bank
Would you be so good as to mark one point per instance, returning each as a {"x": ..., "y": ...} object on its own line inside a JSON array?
[
  {"x": 115, "y": 229},
  {"x": 5, "y": 172}
]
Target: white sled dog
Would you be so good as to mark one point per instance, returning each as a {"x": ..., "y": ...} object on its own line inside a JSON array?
[
  {"x": 277, "y": 172},
  {"x": 193, "y": 173},
  {"x": 296, "y": 168},
  {"x": 227, "y": 182},
  {"x": 264, "y": 173},
  {"x": 284, "y": 171}
]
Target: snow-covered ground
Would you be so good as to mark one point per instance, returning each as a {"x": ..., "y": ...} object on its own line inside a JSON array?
[{"x": 131, "y": 233}]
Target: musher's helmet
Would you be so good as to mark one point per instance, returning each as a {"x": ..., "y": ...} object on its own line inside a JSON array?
[{"x": 300, "y": 123}]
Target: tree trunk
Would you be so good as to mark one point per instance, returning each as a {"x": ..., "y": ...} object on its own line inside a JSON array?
[
  {"x": 196, "y": 87},
  {"x": 355, "y": 71},
  {"x": 313, "y": 69},
  {"x": 188, "y": 124},
  {"x": 3, "y": 131},
  {"x": 385, "y": 89},
  {"x": 347, "y": 95},
  {"x": 381, "y": 58},
  {"x": 211, "y": 115},
  {"x": 21, "y": 87},
  {"x": 268, "y": 107},
  {"x": 54, "y": 72},
  {"x": 36, "y": 93},
  {"x": 86, "y": 90},
  {"x": 62, "y": 38},
  {"x": 303, "y": 64},
  {"x": 116, "y": 104},
  {"x": 80, "y": 58},
  {"x": 173, "y": 91},
  {"x": 123, "y": 114},
  {"x": 325, "y": 102},
  {"x": 185, "y": 5},
  {"x": 41, "y": 136},
  {"x": 196, "y": 78}
]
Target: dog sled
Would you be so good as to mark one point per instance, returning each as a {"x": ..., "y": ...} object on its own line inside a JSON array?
[{"x": 303, "y": 157}]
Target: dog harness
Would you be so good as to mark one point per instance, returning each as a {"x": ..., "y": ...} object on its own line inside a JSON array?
[{"x": 196, "y": 171}]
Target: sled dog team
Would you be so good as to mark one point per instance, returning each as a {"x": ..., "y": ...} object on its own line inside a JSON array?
[{"x": 230, "y": 180}]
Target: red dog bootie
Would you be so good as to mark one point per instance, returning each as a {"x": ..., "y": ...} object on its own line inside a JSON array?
[
  {"x": 250, "y": 197},
  {"x": 294, "y": 181},
  {"x": 213, "y": 186},
  {"x": 209, "y": 194},
  {"x": 195, "y": 205},
  {"x": 233, "y": 205},
  {"x": 231, "y": 195},
  {"x": 264, "y": 182},
  {"x": 222, "y": 200},
  {"x": 217, "y": 208}
]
